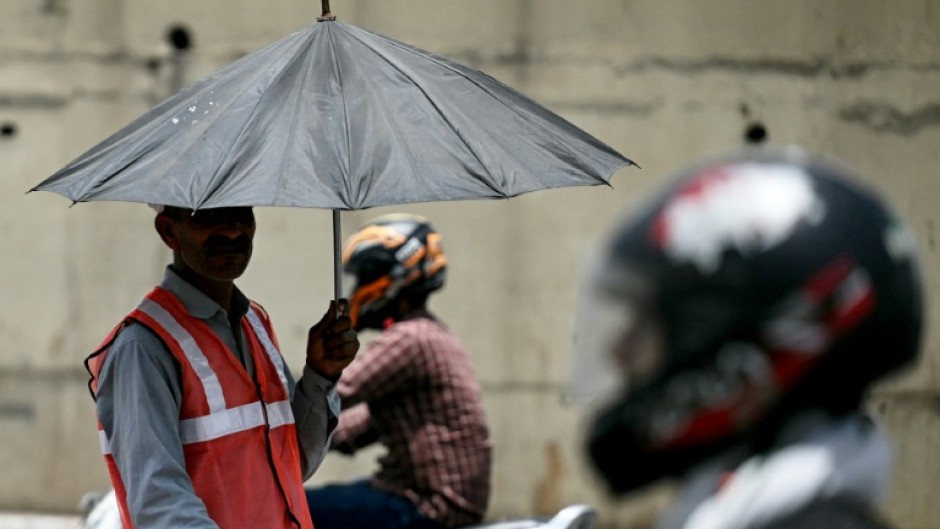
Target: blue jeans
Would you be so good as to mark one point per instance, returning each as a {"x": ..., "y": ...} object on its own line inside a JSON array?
[{"x": 359, "y": 505}]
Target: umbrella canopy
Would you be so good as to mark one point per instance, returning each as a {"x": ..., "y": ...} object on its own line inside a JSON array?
[{"x": 337, "y": 117}]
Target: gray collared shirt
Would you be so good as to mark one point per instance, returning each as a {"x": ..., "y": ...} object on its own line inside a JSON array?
[{"x": 139, "y": 402}]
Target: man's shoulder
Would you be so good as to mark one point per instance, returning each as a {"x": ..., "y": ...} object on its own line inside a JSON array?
[
  {"x": 417, "y": 327},
  {"x": 137, "y": 351},
  {"x": 425, "y": 334},
  {"x": 420, "y": 322},
  {"x": 137, "y": 336}
]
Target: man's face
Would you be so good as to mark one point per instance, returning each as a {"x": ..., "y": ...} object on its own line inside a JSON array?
[{"x": 213, "y": 243}]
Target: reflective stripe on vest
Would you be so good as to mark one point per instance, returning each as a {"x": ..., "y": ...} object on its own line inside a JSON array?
[
  {"x": 220, "y": 421},
  {"x": 197, "y": 359},
  {"x": 268, "y": 345},
  {"x": 226, "y": 422}
]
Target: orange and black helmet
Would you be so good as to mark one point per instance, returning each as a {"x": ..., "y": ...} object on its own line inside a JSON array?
[{"x": 392, "y": 255}]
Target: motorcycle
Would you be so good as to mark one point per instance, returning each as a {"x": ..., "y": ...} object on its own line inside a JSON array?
[
  {"x": 100, "y": 511},
  {"x": 571, "y": 517}
]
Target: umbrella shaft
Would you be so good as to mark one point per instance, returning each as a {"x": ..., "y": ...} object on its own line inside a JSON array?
[
  {"x": 326, "y": 16},
  {"x": 337, "y": 256}
]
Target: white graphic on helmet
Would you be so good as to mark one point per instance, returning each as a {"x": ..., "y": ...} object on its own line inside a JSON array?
[{"x": 750, "y": 207}]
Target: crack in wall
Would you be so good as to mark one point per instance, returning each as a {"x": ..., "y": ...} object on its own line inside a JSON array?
[
  {"x": 764, "y": 65},
  {"x": 606, "y": 107},
  {"x": 54, "y": 56},
  {"x": 791, "y": 67},
  {"x": 32, "y": 101},
  {"x": 883, "y": 117},
  {"x": 783, "y": 66},
  {"x": 61, "y": 375},
  {"x": 55, "y": 102},
  {"x": 17, "y": 410}
]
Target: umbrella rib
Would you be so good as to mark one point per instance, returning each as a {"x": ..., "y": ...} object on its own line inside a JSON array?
[
  {"x": 339, "y": 76},
  {"x": 210, "y": 191},
  {"x": 489, "y": 184},
  {"x": 295, "y": 116}
]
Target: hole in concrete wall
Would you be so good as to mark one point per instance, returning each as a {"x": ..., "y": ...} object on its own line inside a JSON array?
[
  {"x": 755, "y": 133},
  {"x": 7, "y": 130},
  {"x": 179, "y": 37}
]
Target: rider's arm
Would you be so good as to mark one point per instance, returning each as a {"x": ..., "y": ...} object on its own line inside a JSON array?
[
  {"x": 354, "y": 431},
  {"x": 387, "y": 365},
  {"x": 139, "y": 405}
]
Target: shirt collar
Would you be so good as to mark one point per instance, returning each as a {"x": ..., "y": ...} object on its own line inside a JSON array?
[
  {"x": 418, "y": 314},
  {"x": 196, "y": 302}
]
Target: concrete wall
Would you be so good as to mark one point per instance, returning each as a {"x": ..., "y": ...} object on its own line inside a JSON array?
[{"x": 661, "y": 81}]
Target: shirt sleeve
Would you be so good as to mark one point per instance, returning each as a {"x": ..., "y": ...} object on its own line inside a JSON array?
[
  {"x": 316, "y": 407},
  {"x": 389, "y": 363},
  {"x": 138, "y": 405},
  {"x": 355, "y": 430}
]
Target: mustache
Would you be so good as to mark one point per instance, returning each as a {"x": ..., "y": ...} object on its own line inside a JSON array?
[{"x": 223, "y": 245}]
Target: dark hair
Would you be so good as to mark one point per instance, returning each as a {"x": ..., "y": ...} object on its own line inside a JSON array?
[
  {"x": 417, "y": 297},
  {"x": 172, "y": 212}
]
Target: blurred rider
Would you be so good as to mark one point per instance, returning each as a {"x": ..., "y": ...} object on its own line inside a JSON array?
[{"x": 746, "y": 309}]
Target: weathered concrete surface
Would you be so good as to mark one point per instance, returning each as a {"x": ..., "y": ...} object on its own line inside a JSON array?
[{"x": 663, "y": 82}]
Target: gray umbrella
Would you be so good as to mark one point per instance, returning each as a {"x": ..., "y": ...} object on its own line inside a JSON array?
[{"x": 337, "y": 117}]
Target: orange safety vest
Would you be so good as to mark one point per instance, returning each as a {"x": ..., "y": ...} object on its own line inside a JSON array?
[{"x": 239, "y": 440}]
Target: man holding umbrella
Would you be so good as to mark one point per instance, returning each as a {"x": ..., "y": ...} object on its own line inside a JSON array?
[{"x": 200, "y": 421}]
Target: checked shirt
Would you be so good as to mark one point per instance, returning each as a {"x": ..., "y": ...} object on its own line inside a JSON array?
[{"x": 413, "y": 389}]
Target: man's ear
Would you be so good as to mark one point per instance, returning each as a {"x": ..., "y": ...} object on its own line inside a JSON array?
[{"x": 166, "y": 228}]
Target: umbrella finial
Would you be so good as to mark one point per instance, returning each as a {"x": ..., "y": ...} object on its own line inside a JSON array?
[{"x": 326, "y": 16}]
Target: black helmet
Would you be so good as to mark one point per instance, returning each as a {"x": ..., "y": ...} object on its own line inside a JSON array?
[
  {"x": 757, "y": 285},
  {"x": 392, "y": 255}
]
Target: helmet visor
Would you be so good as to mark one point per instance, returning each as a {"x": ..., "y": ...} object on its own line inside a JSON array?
[
  {"x": 350, "y": 284},
  {"x": 617, "y": 338}
]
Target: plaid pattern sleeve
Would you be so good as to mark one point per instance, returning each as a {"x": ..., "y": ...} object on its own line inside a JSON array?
[
  {"x": 425, "y": 406},
  {"x": 354, "y": 430}
]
